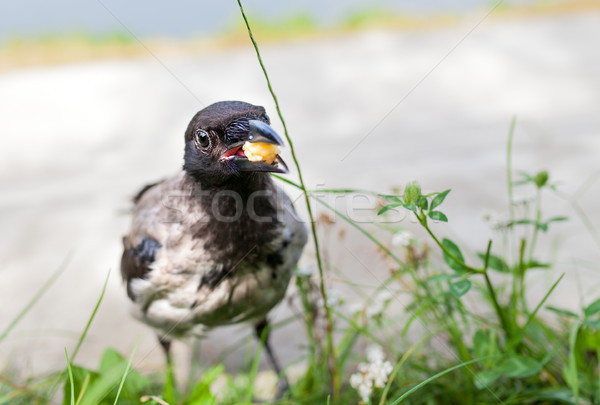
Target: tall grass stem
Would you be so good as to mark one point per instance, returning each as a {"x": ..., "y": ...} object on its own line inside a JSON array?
[{"x": 329, "y": 321}]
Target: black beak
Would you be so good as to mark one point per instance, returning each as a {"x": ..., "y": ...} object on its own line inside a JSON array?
[
  {"x": 262, "y": 132},
  {"x": 259, "y": 132}
]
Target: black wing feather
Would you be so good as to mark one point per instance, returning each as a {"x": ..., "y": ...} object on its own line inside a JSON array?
[
  {"x": 135, "y": 262},
  {"x": 140, "y": 193}
]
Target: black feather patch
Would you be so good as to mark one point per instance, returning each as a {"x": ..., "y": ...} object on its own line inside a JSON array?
[
  {"x": 213, "y": 278},
  {"x": 275, "y": 260},
  {"x": 135, "y": 262}
]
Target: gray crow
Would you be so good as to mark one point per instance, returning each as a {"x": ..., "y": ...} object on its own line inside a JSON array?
[{"x": 215, "y": 244}]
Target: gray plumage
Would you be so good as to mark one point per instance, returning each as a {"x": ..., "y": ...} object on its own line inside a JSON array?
[{"x": 215, "y": 244}]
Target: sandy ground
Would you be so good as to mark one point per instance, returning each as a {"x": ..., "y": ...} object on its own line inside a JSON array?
[{"x": 373, "y": 110}]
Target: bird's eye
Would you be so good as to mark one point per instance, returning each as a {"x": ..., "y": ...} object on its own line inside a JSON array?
[
  {"x": 266, "y": 117},
  {"x": 202, "y": 138}
]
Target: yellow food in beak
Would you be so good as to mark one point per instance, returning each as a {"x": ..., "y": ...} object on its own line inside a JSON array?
[{"x": 261, "y": 152}]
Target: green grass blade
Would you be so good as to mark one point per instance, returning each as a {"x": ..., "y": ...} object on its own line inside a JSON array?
[
  {"x": 84, "y": 386},
  {"x": 521, "y": 334},
  {"x": 438, "y": 375},
  {"x": 35, "y": 298},
  {"x": 328, "y": 318},
  {"x": 509, "y": 171},
  {"x": 91, "y": 318},
  {"x": 573, "y": 373},
  {"x": 126, "y": 371},
  {"x": 70, "y": 378},
  {"x": 402, "y": 360}
]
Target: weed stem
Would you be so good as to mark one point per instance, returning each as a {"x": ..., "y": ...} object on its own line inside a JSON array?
[{"x": 329, "y": 321}]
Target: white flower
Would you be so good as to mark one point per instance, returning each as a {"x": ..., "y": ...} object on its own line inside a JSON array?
[
  {"x": 362, "y": 385},
  {"x": 379, "y": 372},
  {"x": 375, "y": 354},
  {"x": 402, "y": 238},
  {"x": 375, "y": 373}
]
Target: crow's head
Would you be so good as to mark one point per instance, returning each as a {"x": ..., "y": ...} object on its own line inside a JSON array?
[{"x": 230, "y": 138}]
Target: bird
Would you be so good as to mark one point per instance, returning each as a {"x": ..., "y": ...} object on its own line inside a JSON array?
[{"x": 215, "y": 244}]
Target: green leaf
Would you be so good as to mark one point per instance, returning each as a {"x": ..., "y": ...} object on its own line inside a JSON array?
[
  {"x": 555, "y": 396},
  {"x": 593, "y": 308},
  {"x": 455, "y": 251},
  {"x": 460, "y": 288},
  {"x": 525, "y": 178},
  {"x": 410, "y": 207},
  {"x": 389, "y": 197},
  {"x": 570, "y": 374},
  {"x": 111, "y": 359},
  {"x": 438, "y": 216},
  {"x": 557, "y": 219},
  {"x": 523, "y": 222},
  {"x": 593, "y": 324},
  {"x": 423, "y": 203},
  {"x": 79, "y": 376},
  {"x": 484, "y": 343},
  {"x": 439, "y": 199},
  {"x": 485, "y": 378},
  {"x": 564, "y": 312},
  {"x": 519, "y": 367},
  {"x": 536, "y": 265},
  {"x": 495, "y": 263},
  {"x": 103, "y": 387},
  {"x": 389, "y": 207},
  {"x": 201, "y": 393}
]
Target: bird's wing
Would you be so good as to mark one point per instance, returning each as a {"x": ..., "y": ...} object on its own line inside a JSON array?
[
  {"x": 136, "y": 260},
  {"x": 143, "y": 190},
  {"x": 293, "y": 224},
  {"x": 158, "y": 215}
]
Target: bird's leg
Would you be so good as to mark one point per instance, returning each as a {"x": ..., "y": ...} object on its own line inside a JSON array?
[
  {"x": 169, "y": 391},
  {"x": 165, "y": 343},
  {"x": 262, "y": 333},
  {"x": 194, "y": 373}
]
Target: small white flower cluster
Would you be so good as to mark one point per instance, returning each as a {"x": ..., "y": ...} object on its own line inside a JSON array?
[
  {"x": 402, "y": 238},
  {"x": 375, "y": 373}
]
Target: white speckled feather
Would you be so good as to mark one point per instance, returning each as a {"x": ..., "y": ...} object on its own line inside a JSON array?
[{"x": 172, "y": 296}]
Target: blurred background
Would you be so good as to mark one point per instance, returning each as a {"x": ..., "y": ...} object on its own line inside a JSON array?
[{"x": 95, "y": 96}]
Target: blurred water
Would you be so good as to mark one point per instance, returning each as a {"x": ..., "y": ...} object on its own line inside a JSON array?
[{"x": 181, "y": 18}]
